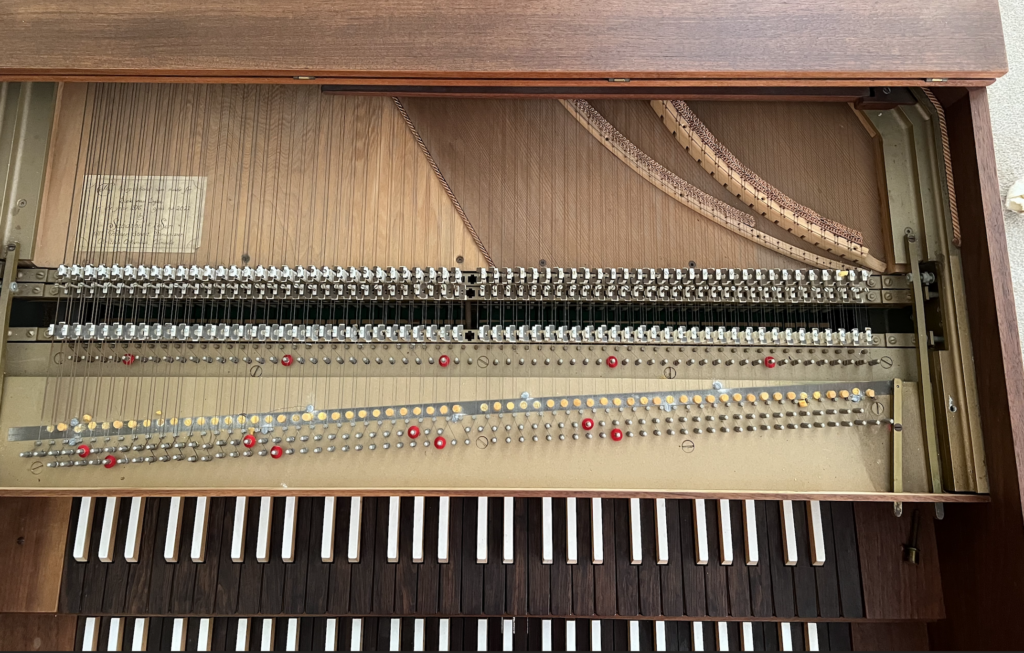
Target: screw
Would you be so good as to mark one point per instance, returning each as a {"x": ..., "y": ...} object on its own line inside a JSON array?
[{"x": 460, "y": 260}]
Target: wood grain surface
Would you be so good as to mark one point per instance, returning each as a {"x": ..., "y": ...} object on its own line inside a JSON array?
[
  {"x": 32, "y": 545},
  {"x": 37, "y": 632},
  {"x": 658, "y": 38}
]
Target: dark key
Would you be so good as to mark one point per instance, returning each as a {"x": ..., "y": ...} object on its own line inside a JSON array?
[
  {"x": 361, "y": 597},
  {"x": 561, "y": 571},
  {"x": 737, "y": 573},
  {"x": 583, "y": 570},
  {"x": 693, "y": 574},
  {"x": 782, "y": 576},
  {"x": 383, "y": 623},
  {"x": 272, "y": 596},
  {"x": 716, "y": 583},
  {"x": 450, "y": 576},
  {"x": 558, "y": 628},
  {"x": 494, "y": 624},
  {"x": 539, "y": 584},
  {"x": 250, "y": 581},
  {"x": 649, "y": 572},
  {"x": 406, "y": 571},
  {"x": 116, "y": 590},
  {"x": 494, "y": 570},
  {"x": 296, "y": 572},
  {"x": 370, "y": 625},
  {"x": 192, "y": 629},
  {"x": 771, "y": 636},
  {"x": 428, "y": 572},
  {"x": 521, "y": 636},
  {"x": 803, "y": 573},
  {"x": 533, "y": 632},
  {"x": 673, "y": 602},
  {"x": 204, "y": 594},
  {"x": 840, "y": 637},
  {"x": 826, "y": 575},
  {"x": 140, "y": 573},
  {"x": 318, "y": 572},
  {"x": 455, "y": 630},
  {"x": 761, "y": 601},
  {"x": 338, "y": 590},
  {"x": 517, "y": 574},
  {"x": 647, "y": 627},
  {"x": 472, "y": 571},
  {"x": 70, "y": 599},
  {"x": 227, "y": 572},
  {"x": 844, "y": 531},
  {"x": 94, "y": 580},
  {"x": 220, "y": 631},
  {"x": 383, "y": 571},
  {"x": 626, "y": 581},
  {"x": 185, "y": 569}
]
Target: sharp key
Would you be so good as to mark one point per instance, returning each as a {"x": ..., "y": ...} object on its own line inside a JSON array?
[
  {"x": 661, "y": 531},
  {"x": 595, "y": 635},
  {"x": 597, "y": 531},
  {"x": 288, "y": 534},
  {"x": 238, "y": 529},
  {"x": 750, "y": 531},
  {"x": 747, "y": 636},
  {"x": 292, "y": 638},
  {"x": 785, "y": 636},
  {"x": 442, "y": 634},
  {"x": 811, "y": 636},
  {"x": 659, "y": 635},
  {"x": 136, "y": 512},
  {"x": 355, "y": 520},
  {"x": 634, "y": 635},
  {"x": 116, "y": 635},
  {"x": 205, "y": 642},
  {"x": 507, "y": 630},
  {"x": 788, "y": 534},
  {"x": 263, "y": 529},
  {"x": 545, "y": 634},
  {"x": 91, "y": 634},
  {"x": 267, "y": 635},
  {"x": 442, "y": 529},
  {"x": 179, "y": 630},
  {"x": 722, "y": 635},
  {"x": 507, "y": 532},
  {"x": 481, "y": 530},
  {"x": 199, "y": 529},
  {"x": 242, "y": 635},
  {"x": 356, "y": 642},
  {"x": 418, "y": 508},
  {"x": 327, "y": 537},
  {"x": 571, "y": 547},
  {"x": 817, "y": 535},
  {"x": 418, "y": 639},
  {"x": 108, "y": 529},
  {"x": 697, "y": 632},
  {"x": 547, "y": 547},
  {"x": 396, "y": 635},
  {"x": 636, "y": 556},
  {"x": 394, "y": 510},
  {"x": 331, "y": 635},
  {"x": 725, "y": 531},
  {"x": 140, "y": 634},
  {"x": 700, "y": 535},
  {"x": 83, "y": 530},
  {"x": 481, "y": 635},
  {"x": 570, "y": 635},
  {"x": 173, "y": 539}
]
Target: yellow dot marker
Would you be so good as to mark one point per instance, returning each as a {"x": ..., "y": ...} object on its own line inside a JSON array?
[
  {"x": 870, "y": 393},
  {"x": 764, "y": 396},
  {"x": 737, "y": 397},
  {"x": 791, "y": 396},
  {"x": 335, "y": 415},
  {"x": 697, "y": 399},
  {"x": 723, "y": 397},
  {"x": 856, "y": 391},
  {"x": 710, "y": 399},
  {"x": 816, "y": 395},
  {"x": 802, "y": 404},
  {"x": 62, "y": 427},
  {"x": 831, "y": 394},
  {"x": 751, "y": 398},
  {"x": 306, "y": 417},
  {"x": 777, "y": 396},
  {"x": 87, "y": 417},
  {"x": 845, "y": 394},
  {"x": 118, "y": 423}
]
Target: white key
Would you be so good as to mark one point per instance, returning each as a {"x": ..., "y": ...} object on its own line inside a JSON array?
[
  {"x": 355, "y": 521},
  {"x": 597, "y": 531},
  {"x": 116, "y": 634},
  {"x": 545, "y": 635},
  {"x": 507, "y": 534},
  {"x": 356, "y": 643},
  {"x": 418, "y": 639},
  {"x": 292, "y": 639},
  {"x": 747, "y": 636},
  {"x": 697, "y": 630},
  {"x": 173, "y": 539},
  {"x": 722, "y": 636},
  {"x": 238, "y": 530},
  {"x": 136, "y": 512},
  {"x": 327, "y": 537},
  {"x": 178, "y": 632},
  {"x": 785, "y": 636},
  {"x": 91, "y": 634},
  {"x": 661, "y": 531},
  {"x": 570, "y": 635},
  {"x": 331, "y": 634},
  {"x": 659, "y": 636},
  {"x": 396, "y": 635},
  {"x": 206, "y": 635},
  {"x": 442, "y": 635},
  {"x": 636, "y": 553},
  {"x": 547, "y": 548},
  {"x": 788, "y": 534},
  {"x": 700, "y": 527},
  {"x": 140, "y": 634},
  {"x": 811, "y": 636},
  {"x": 595, "y": 635},
  {"x": 750, "y": 531},
  {"x": 817, "y": 535},
  {"x": 83, "y": 533},
  {"x": 442, "y": 530},
  {"x": 291, "y": 505},
  {"x": 263, "y": 529},
  {"x": 481, "y": 635},
  {"x": 634, "y": 635},
  {"x": 481, "y": 530},
  {"x": 242, "y": 636},
  {"x": 394, "y": 510},
  {"x": 507, "y": 630},
  {"x": 199, "y": 527},
  {"x": 725, "y": 531},
  {"x": 267, "y": 636},
  {"x": 419, "y": 505},
  {"x": 108, "y": 529},
  {"x": 571, "y": 546}
]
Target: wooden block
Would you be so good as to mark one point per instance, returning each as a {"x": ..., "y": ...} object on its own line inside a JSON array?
[{"x": 33, "y": 550}]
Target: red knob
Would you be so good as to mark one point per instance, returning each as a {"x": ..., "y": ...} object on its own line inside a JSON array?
[
  {"x": 286, "y": 360},
  {"x": 439, "y": 442},
  {"x": 109, "y": 462},
  {"x": 769, "y": 362},
  {"x": 612, "y": 361},
  {"x": 84, "y": 450},
  {"x": 414, "y": 432},
  {"x": 128, "y": 359},
  {"x": 443, "y": 361},
  {"x": 249, "y": 441},
  {"x": 276, "y": 452},
  {"x": 616, "y": 434},
  {"x": 588, "y": 424}
]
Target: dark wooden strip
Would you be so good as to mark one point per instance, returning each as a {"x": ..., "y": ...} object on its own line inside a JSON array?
[
  {"x": 472, "y": 571},
  {"x": 844, "y": 530},
  {"x": 307, "y": 626},
  {"x": 192, "y": 634},
  {"x": 620, "y": 633},
  {"x": 370, "y": 640},
  {"x": 340, "y": 570},
  {"x": 839, "y": 638},
  {"x": 758, "y": 628},
  {"x": 95, "y": 577},
  {"x": 771, "y": 636},
  {"x": 648, "y": 572},
  {"x": 673, "y": 602},
  {"x": 626, "y": 581},
  {"x": 115, "y": 592},
  {"x": 318, "y": 573},
  {"x": 715, "y": 580},
  {"x": 166, "y": 632},
  {"x": 693, "y": 574},
  {"x": 431, "y": 628},
  {"x": 140, "y": 574},
  {"x": 272, "y": 589},
  {"x": 782, "y": 576},
  {"x": 318, "y": 642},
  {"x": 229, "y": 572},
  {"x": 80, "y": 633},
  {"x": 361, "y": 597},
  {"x": 455, "y": 632},
  {"x": 605, "y": 593},
  {"x": 517, "y": 574},
  {"x": 156, "y": 632},
  {"x": 383, "y": 627},
  {"x": 450, "y": 578},
  {"x": 647, "y": 633},
  {"x": 737, "y": 573},
  {"x": 250, "y": 581},
  {"x": 533, "y": 634},
  {"x": 561, "y": 572},
  {"x": 70, "y": 599},
  {"x": 408, "y": 623},
  {"x": 826, "y": 576},
  {"x": 494, "y": 570},
  {"x": 231, "y": 636},
  {"x": 804, "y": 583},
  {"x": 733, "y": 628},
  {"x": 220, "y": 632},
  {"x": 204, "y": 595},
  {"x": 539, "y": 585},
  {"x": 672, "y": 635},
  {"x": 406, "y": 570},
  {"x": 295, "y": 573},
  {"x": 558, "y": 627},
  {"x": 761, "y": 602},
  {"x": 823, "y": 642},
  {"x": 798, "y": 637},
  {"x": 185, "y": 571},
  {"x": 383, "y": 571},
  {"x": 427, "y": 576},
  {"x": 520, "y": 636},
  {"x": 494, "y": 634},
  {"x": 161, "y": 580},
  {"x": 583, "y": 571}
]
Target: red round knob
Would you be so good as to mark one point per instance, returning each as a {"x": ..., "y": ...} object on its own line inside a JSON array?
[
  {"x": 109, "y": 462},
  {"x": 612, "y": 361},
  {"x": 276, "y": 452},
  {"x": 286, "y": 360},
  {"x": 616, "y": 434},
  {"x": 439, "y": 442},
  {"x": 128, "y": 359},
  {"x": 443, "y": 361},
  {"x": 84, "y": 450},
  {"x": 414, "y": 431},
  {"x": 588, "y": 424},
  {"x": 249, "y": 441},
  {"x": 769, "y": 362}
]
